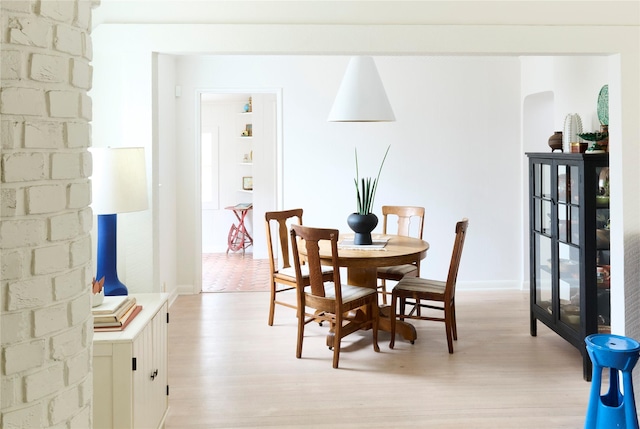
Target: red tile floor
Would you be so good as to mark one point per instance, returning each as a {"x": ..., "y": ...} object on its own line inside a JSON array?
[{"x": 234, "y": 273}]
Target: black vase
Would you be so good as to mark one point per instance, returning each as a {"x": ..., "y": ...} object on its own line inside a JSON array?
[{"x": 362, "y": 225}]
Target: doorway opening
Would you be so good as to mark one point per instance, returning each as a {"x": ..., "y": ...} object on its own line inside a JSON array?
[{"x": 239, "y": 173}]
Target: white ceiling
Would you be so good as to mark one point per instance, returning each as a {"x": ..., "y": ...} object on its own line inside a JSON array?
[{"x": 314, "y": 12}]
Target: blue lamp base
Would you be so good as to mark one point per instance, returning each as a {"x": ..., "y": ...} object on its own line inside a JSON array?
[{"x": 107, "y": 256}]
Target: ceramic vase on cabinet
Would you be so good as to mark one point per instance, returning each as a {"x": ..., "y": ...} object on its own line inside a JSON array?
[
  {"x": 555, "y": 141},
  {"x": 362, "y": 225},
  {"x": 572, "y": 127}
]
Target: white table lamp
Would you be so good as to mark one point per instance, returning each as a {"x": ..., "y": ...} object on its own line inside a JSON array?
[{"x": 119, "y": 185}]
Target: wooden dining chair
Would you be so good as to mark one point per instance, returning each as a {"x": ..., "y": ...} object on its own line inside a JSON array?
[
  {"x": 404, "y": 215},
  {"x": 331, "y": 300},
  {"x": 431, "y": 294},
  {"x": 283, "y": 275}
]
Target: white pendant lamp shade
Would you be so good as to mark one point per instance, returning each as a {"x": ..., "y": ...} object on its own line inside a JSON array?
[
  {"x": 361, "y": 97},
  {"x": 119, "y": 181}
]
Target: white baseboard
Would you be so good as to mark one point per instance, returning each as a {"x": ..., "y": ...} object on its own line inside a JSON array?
[{"x": 187, "y": 290}]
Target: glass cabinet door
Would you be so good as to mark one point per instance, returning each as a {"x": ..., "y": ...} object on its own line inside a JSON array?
[
  {"x": 568, "y": 260},
  {"x": 603, "y": 269},
  {"x": 542, "y": 216}
]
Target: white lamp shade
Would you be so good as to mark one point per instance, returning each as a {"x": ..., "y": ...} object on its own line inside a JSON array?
[
  {"x": 119, "y": 181},
  {"x": 361, "y": 97}
]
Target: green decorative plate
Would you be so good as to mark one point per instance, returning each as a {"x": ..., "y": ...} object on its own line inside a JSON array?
[{"x": 603, "y": 105}]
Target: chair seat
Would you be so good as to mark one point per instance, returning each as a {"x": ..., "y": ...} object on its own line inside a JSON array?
[
  {"x": 418, "y": 284},
  {"x": 349, "y": 293},
  {"x": 291, "y": 272},
  {"x": 396, "y": 271}
]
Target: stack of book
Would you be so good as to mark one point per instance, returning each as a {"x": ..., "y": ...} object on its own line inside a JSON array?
[{"x": 115, "y": 313}]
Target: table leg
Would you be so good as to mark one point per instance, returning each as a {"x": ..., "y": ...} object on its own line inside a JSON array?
[{"x": 368, "y": 277}]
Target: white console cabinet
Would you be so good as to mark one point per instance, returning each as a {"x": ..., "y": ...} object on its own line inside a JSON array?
[{"x": 130, "y": 387}]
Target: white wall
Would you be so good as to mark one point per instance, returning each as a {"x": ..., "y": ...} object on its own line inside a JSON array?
[
  {"x": 165, "y": 150},
  {"x": 123, "y": 109},
  {"x": 444, "y": 133}
]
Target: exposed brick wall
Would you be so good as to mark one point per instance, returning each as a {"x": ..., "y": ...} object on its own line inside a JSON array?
[{"x": 45, "y": 217}]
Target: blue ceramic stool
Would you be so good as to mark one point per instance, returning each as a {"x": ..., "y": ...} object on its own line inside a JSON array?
[{"x": 612, "y": 410}]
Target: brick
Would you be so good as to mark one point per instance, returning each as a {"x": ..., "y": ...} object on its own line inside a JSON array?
[
  {"x": 23, "y": 167},
  {"x": 86, "y": 107},
  {"x": 22, "y": 101},
  {"x": 15, "y": 327},
  {"x": 50, "y": 259},
  {"x": 63, "y": 104},
  {"x": 46, "y": 199},
  {"x": 78, "y": 367},
  {"x": 63, "y": 11},
  {"x": 22, "y": 233},
  {"x": 88, "y": 332},
  {"x": 66, "y": 344},
  {"x": 64, "y": 405},
  {"x": 8, "y": 202},
  {"x": 68, "y": 284},
  {"x": 17, "y": 6},
  {"x": 86, "y": 220},
  {"x": 49, "y": 68},
  {"x": 64, "y": 227},
  {"x": 11, "y": 134},
  {"x": 43, "y": 135},
  {"x": 88, "y": 47},
  {"x": 31, "y": 293},
  {"x": 8, "y": 395},
  {"x": 11, "y": 65},
  {"x": 81, "y": 252},
  {"x": 30, "y": 32},
  {"x": 87, "y": 165},
  {"x": 81, "y": 308},
  {"x": 66, "y": 165},
  {"x": 86, "y": 386},
  {"x": 69, "y": 40},
  {"x": 26, "y": 417},
  {"x": 79, "y": 195},
  {"x": 83, "y": 15},
  {"x": 43, "y": 383},
  {"x": 78, "y": 134},
  {"x": 11, "y": 263},
  {"x": 81, "y": 74},
  {"x": 82, "y": 420},
  {"x": 23, "y": 356},
  {"x": 50, "y": 319}
]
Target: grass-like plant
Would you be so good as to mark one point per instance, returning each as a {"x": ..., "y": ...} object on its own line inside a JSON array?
[{"x": 366, "y": 187}]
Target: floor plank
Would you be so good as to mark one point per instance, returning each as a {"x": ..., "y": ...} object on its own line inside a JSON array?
[{"x": 229, "y": 369}]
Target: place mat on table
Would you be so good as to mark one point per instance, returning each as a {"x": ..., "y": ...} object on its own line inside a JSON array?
[{"x": 377, "y": 244}]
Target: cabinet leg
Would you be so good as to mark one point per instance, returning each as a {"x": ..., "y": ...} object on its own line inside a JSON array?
[
  {"x": 534, "y": 326},
  {"x": 587, "y": 368}
]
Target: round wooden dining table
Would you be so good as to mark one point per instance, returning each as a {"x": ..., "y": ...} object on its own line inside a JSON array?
[{"x": 362, "y": 263}]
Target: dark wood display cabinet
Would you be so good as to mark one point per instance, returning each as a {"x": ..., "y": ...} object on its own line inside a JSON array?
[{"x": 569, "y": 243}]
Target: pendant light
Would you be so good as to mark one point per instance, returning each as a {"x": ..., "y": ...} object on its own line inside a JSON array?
[{"x": 361, "y": 96}]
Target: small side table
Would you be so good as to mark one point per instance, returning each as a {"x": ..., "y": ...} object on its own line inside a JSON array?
[
  {"x": 239, "y": 238},
  {"x": 614, "y": 409}
]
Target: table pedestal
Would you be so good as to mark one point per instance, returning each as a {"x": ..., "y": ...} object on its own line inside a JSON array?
[{"x": 368, "y": 277}]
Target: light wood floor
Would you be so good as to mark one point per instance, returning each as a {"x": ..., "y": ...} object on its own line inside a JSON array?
[{"x": 229, "y": 369}]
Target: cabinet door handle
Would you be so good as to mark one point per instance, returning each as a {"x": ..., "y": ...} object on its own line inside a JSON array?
[{"x": 154, "y": 374}]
